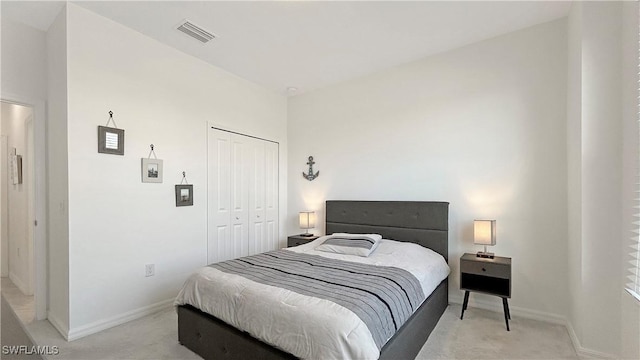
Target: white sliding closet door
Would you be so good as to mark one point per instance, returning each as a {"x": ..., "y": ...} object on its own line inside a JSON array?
[
  {"x": 219, "y": 197},
  {"x": 271, "y": 195},
  {"x": 243, "y": 196},
  {"x": 257, "y": 197},
  {"x": 239, "y": 196}
]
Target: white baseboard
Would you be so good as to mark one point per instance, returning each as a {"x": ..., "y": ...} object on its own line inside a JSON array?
[
  {"x": 97, "y": 326},
  {"x": 58, "y": 325},
  {"x": 583, "y": 352},
  {"x": 536, "y": 315},
  {"x": 21, "y": 285}
]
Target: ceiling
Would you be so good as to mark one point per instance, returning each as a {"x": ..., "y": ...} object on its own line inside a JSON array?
[{"x": 309, "y": 44}]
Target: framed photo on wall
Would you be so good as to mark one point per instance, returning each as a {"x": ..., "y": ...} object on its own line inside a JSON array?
[
  {"x": 110, "y": 140},
  {"x": 151, "y": 170},
  {"x": 184, "y": 195}
]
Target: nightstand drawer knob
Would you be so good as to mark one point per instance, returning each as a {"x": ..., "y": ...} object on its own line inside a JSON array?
[{"x": 483, "y": 269}]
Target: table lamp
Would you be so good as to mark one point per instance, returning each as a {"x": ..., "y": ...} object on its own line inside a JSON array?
[
  {"x": 484, "y": 233},
  {"x": 307, "y": 221}
]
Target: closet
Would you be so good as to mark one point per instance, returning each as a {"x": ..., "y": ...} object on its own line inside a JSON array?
[{"x": 242, "y": 195}]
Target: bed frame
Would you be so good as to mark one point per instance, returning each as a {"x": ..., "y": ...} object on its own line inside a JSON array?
[{"x": 421, "y": 222}]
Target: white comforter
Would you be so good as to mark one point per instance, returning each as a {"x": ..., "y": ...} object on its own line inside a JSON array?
[{"x": 307, "y": 327}]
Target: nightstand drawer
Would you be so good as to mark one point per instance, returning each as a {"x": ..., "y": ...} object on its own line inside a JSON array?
[{"x": 485, "y": 268}]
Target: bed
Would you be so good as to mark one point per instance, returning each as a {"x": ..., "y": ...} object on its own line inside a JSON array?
[{"x": 423, "y": 223}]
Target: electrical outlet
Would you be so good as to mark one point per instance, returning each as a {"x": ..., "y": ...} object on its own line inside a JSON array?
[{"x": 149, "y": 270}]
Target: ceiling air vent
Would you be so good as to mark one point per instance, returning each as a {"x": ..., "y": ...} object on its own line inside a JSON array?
[{"x": 196, "y": 32}]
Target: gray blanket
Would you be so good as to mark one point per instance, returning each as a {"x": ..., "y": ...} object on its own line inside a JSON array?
[{"x": 382, "y": 297}]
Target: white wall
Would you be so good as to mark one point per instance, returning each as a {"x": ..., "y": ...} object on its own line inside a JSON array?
[
  {"x": 482, "y": 127},
  {"x": 23, "y": 60},
  {"x": 4, "y": 207},
  {"x": 14, "y": 127},
  {"x": 574, "y": 165},
  {"x": 57, "y": 174},
  {"x": 601, "y": 175},
  {"x": 603, "y": 157},
  {"x": 574, "y": 172},
  {"x": 630, "y": 311},
  {"x": 117, "y": 224}
]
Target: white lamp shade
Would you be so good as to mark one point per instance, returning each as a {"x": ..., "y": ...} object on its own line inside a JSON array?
[
  {"x": 484, "y": 232},
  {"x": 307, "y": 220}
]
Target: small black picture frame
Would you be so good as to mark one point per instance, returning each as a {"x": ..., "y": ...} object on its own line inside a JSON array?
[
  {"x": 110, "y": 140},
  {"x": 184, "y": 195}
]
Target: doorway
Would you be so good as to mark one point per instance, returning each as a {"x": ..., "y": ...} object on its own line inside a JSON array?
[
  {"x": 23, "y": 252},
  {"x": 16, "y": 128}
]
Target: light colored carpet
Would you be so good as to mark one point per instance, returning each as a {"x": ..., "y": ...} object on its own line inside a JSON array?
[
  {"x": 151, "y": 337},
  {"x": 481, "y": 335},
  {"x": 12, "y": 334},
  {"x": 23, "y": 305}
]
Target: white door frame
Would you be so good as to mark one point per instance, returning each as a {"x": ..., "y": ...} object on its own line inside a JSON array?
[
  {"x": 4, "y": 184},
  {"x": 31, "y": 193},
  {"x": 40, "y": 253}
]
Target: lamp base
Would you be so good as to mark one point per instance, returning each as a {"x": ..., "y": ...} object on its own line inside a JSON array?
[
  {"x": 484, "y": 254},
  {"x": 306, "y": 235}
]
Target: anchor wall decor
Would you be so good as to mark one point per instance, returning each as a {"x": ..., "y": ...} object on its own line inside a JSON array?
[{"x": 310, "y": 176}]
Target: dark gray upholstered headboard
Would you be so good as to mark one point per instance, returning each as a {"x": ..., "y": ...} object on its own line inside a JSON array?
[{"x": 422, "y": 222}]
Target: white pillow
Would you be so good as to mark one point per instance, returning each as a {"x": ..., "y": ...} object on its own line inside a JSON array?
[{"x": 350, "y": 244}]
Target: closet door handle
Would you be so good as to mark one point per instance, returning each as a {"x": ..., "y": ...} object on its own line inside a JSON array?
[{"x": 237, "y": 218}]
